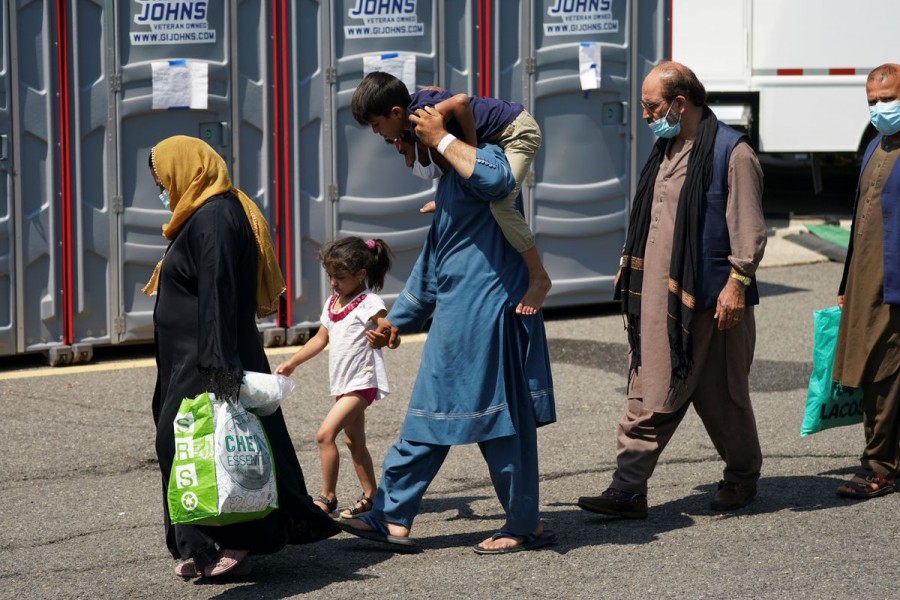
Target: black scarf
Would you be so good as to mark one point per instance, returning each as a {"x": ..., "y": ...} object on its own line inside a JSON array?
[{"x": 685, "y": 259}]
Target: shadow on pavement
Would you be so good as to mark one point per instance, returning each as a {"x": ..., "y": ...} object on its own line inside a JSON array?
[
  {"x": 303, "y": 569},
  {"x": 767, "y": 290},
  {"x": 780, "y": 376},
  {"x": 800, "y": 493},
  {"x": 604, "y": 356},
  {"x": 577, "y": 528},
  {"x": 300, "y": 569}
]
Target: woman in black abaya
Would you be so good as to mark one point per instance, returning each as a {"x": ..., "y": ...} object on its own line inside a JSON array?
[{"x": 218, "y": 274}]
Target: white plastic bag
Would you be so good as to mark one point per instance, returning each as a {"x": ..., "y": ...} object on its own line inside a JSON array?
[{"x": 263, "y": 393}]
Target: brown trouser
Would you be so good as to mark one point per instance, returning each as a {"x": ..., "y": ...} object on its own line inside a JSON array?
[
  {"x": 881, "y": 423},
  {"x": 723, "y": 406}
]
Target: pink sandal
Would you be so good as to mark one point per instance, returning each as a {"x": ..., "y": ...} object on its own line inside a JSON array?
[
  {"x": 187, "y": 569},
  {"x": 235, "y": 562}
]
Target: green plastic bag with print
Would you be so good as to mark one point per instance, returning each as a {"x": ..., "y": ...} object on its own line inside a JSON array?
[
  {"x": 223, "y": 471},
  {"x": 828, "y": 404}
]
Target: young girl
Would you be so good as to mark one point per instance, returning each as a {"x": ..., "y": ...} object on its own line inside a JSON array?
[{"x": 355, "y": 268}]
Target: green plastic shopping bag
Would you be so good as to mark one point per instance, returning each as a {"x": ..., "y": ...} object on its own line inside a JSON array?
[
  {"x": 828, "y": 404},
  {"x": 223, "y": 471}
]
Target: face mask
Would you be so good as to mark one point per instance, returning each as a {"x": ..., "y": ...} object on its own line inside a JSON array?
[
  {"x": 428, "y": 173},
  {"x": 886, "y": 117},
  {"x": 164, "y": 198},
  {"x": 662, "y": 128}
]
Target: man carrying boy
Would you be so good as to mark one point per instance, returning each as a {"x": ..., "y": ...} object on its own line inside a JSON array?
[
  {"x": 383, "y": 102},
  {"x": 485, "y": 371}
]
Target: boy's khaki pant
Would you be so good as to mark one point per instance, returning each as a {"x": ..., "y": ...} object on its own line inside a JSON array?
[{"x": 520, "y": 142}]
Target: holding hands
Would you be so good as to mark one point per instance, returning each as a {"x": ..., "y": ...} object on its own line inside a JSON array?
[{"x": 383, "y": 335}]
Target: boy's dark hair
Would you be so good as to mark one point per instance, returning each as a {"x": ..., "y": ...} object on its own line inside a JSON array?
[
  {"x": 376, "y": 95},
  {"x": 352, "y": 254}
]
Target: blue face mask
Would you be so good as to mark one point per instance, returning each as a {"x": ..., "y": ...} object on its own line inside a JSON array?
[
  {"x": 164, "y": 198},
  {"x": 886, "y": 117},
  {"x": 662, "y": 128}
]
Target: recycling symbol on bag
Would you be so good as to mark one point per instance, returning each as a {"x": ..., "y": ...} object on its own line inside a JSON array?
[{"x": 189, "y": 501}]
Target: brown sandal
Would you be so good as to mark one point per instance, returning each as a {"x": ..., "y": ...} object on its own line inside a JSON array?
[
  {"x": 330, "y": 505},
  {"x": 360, "y": 508},
  {"x": 864, "y": 485}
]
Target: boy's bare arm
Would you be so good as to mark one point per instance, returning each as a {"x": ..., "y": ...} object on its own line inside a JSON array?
[{"x": 458, "y": 108}]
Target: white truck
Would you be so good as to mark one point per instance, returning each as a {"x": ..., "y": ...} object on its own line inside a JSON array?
[{"x": 792, "y": 72}]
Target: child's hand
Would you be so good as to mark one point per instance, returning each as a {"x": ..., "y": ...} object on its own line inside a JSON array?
[
  {"x": 383, "y": 335},
  {"x": 284, "y": 368},
  {"x": 428, "y": 207}
]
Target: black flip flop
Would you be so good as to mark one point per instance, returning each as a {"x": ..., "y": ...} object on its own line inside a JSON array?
[
  {"x": 532, "y": 542},
  {"x": 379, "y": 533}
]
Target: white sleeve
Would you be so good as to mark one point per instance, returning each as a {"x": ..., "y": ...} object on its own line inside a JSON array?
[
  {"x": 324, "y": 321},
  {"x": 371, "y": 306}
]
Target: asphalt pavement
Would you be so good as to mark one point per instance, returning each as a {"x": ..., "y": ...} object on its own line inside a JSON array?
[{"x": 81, "y": 509}]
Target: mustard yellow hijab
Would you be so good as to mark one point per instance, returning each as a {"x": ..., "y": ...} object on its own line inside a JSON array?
[{"x": 193, "y": 173}]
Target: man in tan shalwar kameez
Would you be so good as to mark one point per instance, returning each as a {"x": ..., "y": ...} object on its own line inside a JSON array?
[
  {"x": 713, "y": 306},
  {"x": 868, "y": 346}
]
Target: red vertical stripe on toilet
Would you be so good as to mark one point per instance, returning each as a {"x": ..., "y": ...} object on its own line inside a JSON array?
[
  {"x": 65, "y": 175},
  {"x": 485, "y": 40},
  {"x": 280, "y": 157},
  {"x": 286, "y": 318}
]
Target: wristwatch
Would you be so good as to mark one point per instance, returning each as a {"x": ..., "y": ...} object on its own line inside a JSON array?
[{"x": 742, "y": 278}]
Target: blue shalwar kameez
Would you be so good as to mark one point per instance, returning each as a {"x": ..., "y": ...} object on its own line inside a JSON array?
[{"x": 485, "y": 371}]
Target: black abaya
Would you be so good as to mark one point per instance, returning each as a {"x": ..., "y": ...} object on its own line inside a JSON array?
[{"x": 206, "y": 337}]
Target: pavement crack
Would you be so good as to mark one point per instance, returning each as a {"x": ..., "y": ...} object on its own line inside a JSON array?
[
  {"x": 76, "y": 536},
  {"x": 91, "y": 471},
  {"x": 62, "y": 400},
  {"x": 28, "y": 418}
]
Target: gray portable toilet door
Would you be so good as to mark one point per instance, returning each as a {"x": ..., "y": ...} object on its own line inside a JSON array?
[
  {"x": 175, "y": 77},
  {"x": 580, "y": 199},
  {"x": 7, "y": 266},
  {"x": 35, "y": 156}
]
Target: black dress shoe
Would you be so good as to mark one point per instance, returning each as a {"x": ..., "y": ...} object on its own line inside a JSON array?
[
  {"x": 616, "y": 503},
  {"x": 732, "y": 496}
]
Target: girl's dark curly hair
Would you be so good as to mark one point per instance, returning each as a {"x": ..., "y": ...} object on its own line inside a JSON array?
[{"x": 352, "y": 254}]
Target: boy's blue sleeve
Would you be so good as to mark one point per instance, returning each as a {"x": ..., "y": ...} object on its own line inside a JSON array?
[{"x": 424, "y": 98}]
